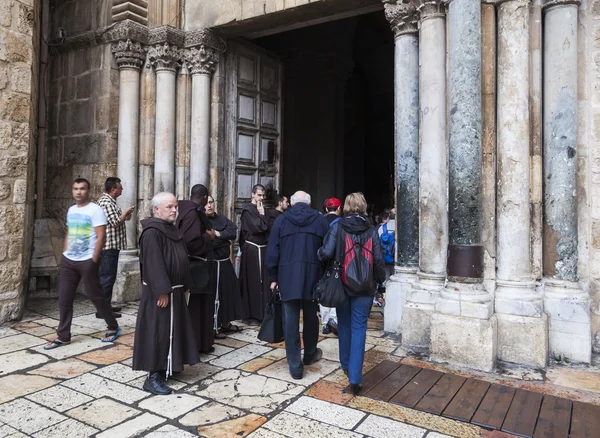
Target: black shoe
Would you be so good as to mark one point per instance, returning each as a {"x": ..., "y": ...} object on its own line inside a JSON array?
[
  {"x": 252, "y": 322},
  {"x": 355, "y": 388},
  {"x": 315, "y": 358},
  {"x": 326, "y": 329},
  {"x": 333, "y": 328},
  {"x": 210, "y": 350},
  {"x": 116, "y": 309},
  {"x": 297, "y": 376},
  {"x": 155, "y": 385},
  {"x": 115, "y": 314}
]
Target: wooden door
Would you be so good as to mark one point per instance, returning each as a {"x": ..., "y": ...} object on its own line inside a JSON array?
[{"x": 253, "y": 123}]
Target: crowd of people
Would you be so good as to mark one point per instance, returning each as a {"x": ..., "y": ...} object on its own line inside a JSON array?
[{"x": 191, "y": 294}]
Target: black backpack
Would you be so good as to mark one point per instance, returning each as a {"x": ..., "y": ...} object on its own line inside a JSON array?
[{"x": 357, "y": 262}]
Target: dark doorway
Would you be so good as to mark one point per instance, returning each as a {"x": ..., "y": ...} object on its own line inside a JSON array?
[{"x": 338, "y": 109}]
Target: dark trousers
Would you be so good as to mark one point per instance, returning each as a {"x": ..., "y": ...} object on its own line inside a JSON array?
[
  {"x": 71, "y": 273},
  {"x": 353, "y": 316},
  {"x": 109, "y": 263},
  {"x": 291, "y": 331},
  {"x": 202, "y": 311}
]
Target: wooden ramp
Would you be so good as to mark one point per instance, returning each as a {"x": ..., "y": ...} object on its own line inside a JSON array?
[{"x": 516, "y": 411}]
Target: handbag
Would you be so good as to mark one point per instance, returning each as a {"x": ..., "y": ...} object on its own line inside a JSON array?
[
  {"x": 329, "y": 290},
  {"x": 271, "y": 328},
  {"x": 201, "y": 272}
]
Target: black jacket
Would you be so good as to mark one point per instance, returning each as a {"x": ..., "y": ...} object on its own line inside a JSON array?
[{"x": 354, "y": 225}]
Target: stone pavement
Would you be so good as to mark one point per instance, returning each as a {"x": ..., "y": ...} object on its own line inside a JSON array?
[{"x": 243, "y": 389}]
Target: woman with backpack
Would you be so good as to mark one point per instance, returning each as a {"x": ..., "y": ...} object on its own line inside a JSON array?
[{"x": 355, "y": 244}]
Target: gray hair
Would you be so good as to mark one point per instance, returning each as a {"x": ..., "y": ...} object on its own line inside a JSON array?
[
  {"x": 159, "y": 198},
  {"x": 300, "y": 197}
]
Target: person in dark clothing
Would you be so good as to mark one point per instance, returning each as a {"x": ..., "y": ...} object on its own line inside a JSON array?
[
  {"x": 164, "y": 336},
  {"x": 228, "y": 302},
  {"x": 354, "y": 312},
  {"x": 333, "y": 213},
  {"x": 254, "y": 282},
  {"x": 295, "y": 269},
  {"x": 274, "y": 213},
  {"x": 333, "y": 210},
  {"x": 192, "y": 222}
]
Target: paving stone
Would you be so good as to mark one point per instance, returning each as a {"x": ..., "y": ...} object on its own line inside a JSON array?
[
  {"x": 19, "y": 342},
  {"x": 25, "y": 325},
  {"x": 338, "y": 376},
  {"x": 331, "y": 348},
  {"x": 252, "y": 392},
  {"x": 81, "y": 330},
  {"x": 276, "y": 354},
  {"x": 295, "y": 426},
  {"x": 194, "y": 373},
  {"x": 18, "y": 385},
  {"x": 7, "y": 331},
  {"x": 126, "y": 339},
  {"x": 133, "y": 428},
  {"x": 103, "y": 413},
  {"x": 241, "y": 427},
  {"x": 20, "y": 360},
  {"x": 49, "y": 322},
  {"x": 100, "y": 325},
  {"x": 380, "y": 427},
  {"x": 255, "y": 364},
  {"x": 437, "y": 435},
  {"x": 312, "y": 373},
  {"x": 210, "y": 413},
  {"x": 247, "y": 336},
  {"x": 79, "y": 344},
  {"x": 40, "y": 330},
  {"x": 220, "y": 350},
  {"x": 571, "y": 378},
  {"x": 169, "y": 431},
  {"x": 59, "y": 398},
  {"x": 205, "y": 358},
  {"x": 264, "y": 433},
  {"x": 119, "y": 373},
  {"x": 64, "y": 369},
  {"x": 233, "y": 343},
  {"x": 325, "y": 412},
  {"x": 28, "y": 417},
  {"x": 238, "y": 357},
  {"x": 329, "y": 391},
  {"x": 128, "y": 362},
  {"x": 8, "y": 432},
  {"x": 172, "y": 405},
  {"x": 108, "y": 356},
  {"x": 68, "y": 428},
  {"x": 376, "y": 333},
  {"x": 102, "y": 333},
  {"x": 374, "y": 356},
  {"x": 96, "y": 386}
]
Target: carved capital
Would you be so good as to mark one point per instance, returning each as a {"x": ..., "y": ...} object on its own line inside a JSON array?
[
  {"x": 129, "y": 54},
  {"x": 205, "y": 37},
  {"x": 431, "y": 9},
  {"x": 165, "y": 56},
  {"x": 201, "y": 60},
  {"x": 402, "y": 16},
  {"x": 166, "y": 34}
]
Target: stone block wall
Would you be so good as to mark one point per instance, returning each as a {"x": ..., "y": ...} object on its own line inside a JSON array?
[{"x": 19, "y": 54}]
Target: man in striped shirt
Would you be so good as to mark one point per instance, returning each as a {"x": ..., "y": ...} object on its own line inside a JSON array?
[{"x": 116, "y": 237}]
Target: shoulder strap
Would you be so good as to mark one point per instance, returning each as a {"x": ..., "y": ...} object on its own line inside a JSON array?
[
  {"x": 334, "y": 221},
  {"x": 385, "y": 228}
]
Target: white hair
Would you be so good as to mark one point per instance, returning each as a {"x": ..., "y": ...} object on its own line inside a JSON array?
[
  {"x": 159, "y": 199},
  {"x": 300, "y": 197}
]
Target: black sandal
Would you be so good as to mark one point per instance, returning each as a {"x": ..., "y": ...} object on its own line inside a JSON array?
[{"x": 231, "y": 329}]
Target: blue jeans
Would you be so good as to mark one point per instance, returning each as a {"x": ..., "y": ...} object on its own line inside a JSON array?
[
  {"x": 291, "y": 332},
  {"x": 353, "y": 315},
  {"x": 109, "y": 263}
]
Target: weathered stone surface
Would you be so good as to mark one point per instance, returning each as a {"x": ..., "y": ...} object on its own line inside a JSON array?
[
  {"x": 14, "y": 47},
  {"x": 15, "y": 107},
  {"x": 523, "y": 340},
  {"x": 237, "y": 427}
]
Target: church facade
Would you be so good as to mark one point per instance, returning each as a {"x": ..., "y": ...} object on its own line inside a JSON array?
[{"x": 479, "y": 121}]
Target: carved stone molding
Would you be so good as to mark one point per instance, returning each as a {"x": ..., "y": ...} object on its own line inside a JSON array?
[
  {"x": 402, "y": 16},
  {"x": 129, "y": 54},
  {"x": 431, "y": 9},
  {"x": 136, "y": 10},
  {"x": 550, "y": 3},
  {"x": 165, "y": 56},
  {"x": 201, "y": 59},
  {"x": 205, "y": 37},
  {"x": 166, "y": 34}
]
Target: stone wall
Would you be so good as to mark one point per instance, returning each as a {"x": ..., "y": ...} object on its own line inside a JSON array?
[{"x": 19, "y": 54}]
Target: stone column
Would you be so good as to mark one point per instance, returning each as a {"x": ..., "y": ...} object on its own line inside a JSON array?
[
  {"x": 463, "y": 329},
  {"x": 567, "y": 305},
  {"x": 165, "y": 58},
  {"x": 130, "y": 57},
  {"x": 147, "y": 136},
  {"x": 182, "y": 137},
  {"x": 522, "y": 325},
  {"x": 433, "y": 231},
  {"x": 403, "y": 20}
]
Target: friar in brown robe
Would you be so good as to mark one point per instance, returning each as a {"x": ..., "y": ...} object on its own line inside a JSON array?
[
  {"x": 164, "y": 337},
  {"x": 254, "y": 281},
  {"x": 192, "y": 222}
]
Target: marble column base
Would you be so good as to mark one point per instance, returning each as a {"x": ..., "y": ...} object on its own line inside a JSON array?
[
  {"x": 464, "y": 342},
  {"x": 523, "y": 340},
  {"x": 128, "y": 286},
  {"x": 397, "y": 288},
  {"x": 569, "y": 330},
  {"x": 465, "y": 299},
  {"x": 518, "y": 298}
]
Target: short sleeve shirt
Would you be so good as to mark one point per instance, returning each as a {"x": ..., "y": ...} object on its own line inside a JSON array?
[{"x": 81, "y": 222}]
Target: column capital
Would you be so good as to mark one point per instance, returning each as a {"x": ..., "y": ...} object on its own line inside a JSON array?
[
  {"x": 201, "y": 59},
  {"x": 546, "y": 4},
  {"x": 129, "y": 54},
  {"x": 165, "y": 56},
  {"x": 431, "y": 9},
  {"x": 402, "y": 15}
]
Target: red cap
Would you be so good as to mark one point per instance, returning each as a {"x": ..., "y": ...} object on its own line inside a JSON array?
[{"x": 333, "y": 202}]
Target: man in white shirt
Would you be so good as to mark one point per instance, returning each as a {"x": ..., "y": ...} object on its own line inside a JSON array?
[{"x": 86, "y": 234}]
